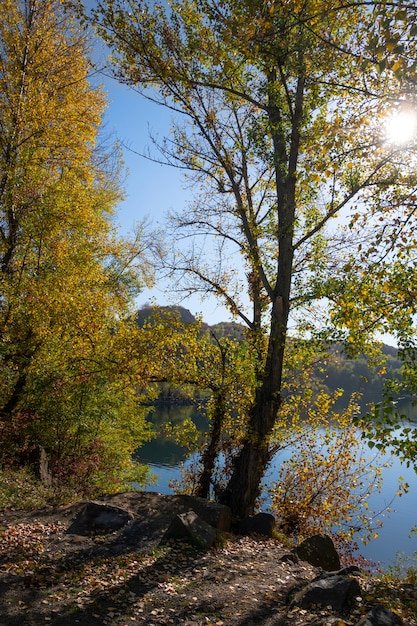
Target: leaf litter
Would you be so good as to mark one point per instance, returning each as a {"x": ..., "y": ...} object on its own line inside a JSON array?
[{"x": 49, "y": 577}]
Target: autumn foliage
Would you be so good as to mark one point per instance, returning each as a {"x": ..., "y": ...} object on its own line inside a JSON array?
[
  {"x": 303, "y": 207},
  {"x": 66, "y": 279},
  {"x": 282, "y": 106}
]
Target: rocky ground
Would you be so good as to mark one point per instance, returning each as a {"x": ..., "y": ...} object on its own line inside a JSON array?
[{"x": 48, "y": 576}]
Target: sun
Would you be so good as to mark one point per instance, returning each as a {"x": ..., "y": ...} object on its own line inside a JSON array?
[{"x": 401, "y": 127}]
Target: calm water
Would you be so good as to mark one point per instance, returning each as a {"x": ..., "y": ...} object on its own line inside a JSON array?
[{"x": 166, "y": 460}]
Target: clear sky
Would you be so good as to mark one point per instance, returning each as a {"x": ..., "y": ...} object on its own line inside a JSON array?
[{"x": 151, "y": 189}]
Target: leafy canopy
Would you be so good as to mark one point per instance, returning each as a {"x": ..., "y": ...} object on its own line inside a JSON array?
[
  {"x": 281, "y": 110},
  {"x": 69, "y": 362}
]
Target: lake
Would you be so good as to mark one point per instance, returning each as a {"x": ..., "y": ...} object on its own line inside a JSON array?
[{"x": 166, "y": 459}]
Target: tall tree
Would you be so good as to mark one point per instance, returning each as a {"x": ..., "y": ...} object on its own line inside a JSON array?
[
  {"x": 283, "y": 104},
  {"x": 66, "y": 281}
]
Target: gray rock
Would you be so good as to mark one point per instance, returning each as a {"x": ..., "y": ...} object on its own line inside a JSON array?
[
  {"x": 191, "y": 527},
  {"x": 290, "y": 557},
  {"x": 260, "y": 524},
  {"x": 217, "y": 515},
  {"x": 350, "y": 570},
  {"x": 333, "y": 591},
  {"x": 380, "y": 616},
  {"x": 319, "y": 551},
  {"x": 99, "y": 519}
]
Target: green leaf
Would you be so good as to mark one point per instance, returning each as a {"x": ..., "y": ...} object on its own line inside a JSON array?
[
  {"x": 401, "y": 15},
  {"x": 381, "y": 66}
]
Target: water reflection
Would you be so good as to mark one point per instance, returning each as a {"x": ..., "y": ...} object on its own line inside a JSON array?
[
  {"x": 408, "y": 409},
  {"x": 167, "y": 458},
  {"x": 162, "y": 451}
]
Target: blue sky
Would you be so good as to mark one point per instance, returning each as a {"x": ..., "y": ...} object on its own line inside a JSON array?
[{"x": 151, "y": 189}]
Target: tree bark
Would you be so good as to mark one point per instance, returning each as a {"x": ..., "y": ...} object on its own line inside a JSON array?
[
  {"x": 249, "y": 467},
  {"x": 211, "y": 452},
  {"x": 250, "y": 464}
]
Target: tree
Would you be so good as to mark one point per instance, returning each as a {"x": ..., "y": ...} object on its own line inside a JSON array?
[
  {"x": 68, "y": 361},
  {"x": 283, "y": 106},
  {"x": 325, "y": 484},
  {"x": 196, "y": 358}
]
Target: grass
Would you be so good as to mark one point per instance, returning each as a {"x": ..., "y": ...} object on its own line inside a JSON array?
[
  {"x": 404, "y": 569},
  {"x": 19, "y": 489}
]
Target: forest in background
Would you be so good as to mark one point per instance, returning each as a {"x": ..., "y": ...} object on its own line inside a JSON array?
[{"x": 337, "y": 371}]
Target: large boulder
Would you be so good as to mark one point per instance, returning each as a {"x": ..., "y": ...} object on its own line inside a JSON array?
[
  {"x": 319, "y": 551},
  {"x": 217, "y": 515},
  {"x": 334, "y": 591},
  {"x": 191, "y": 527},
  {"x": 380, "y": 616},
  {"x": 259, "y": 524},
  {"x": 99, "y": 519}
]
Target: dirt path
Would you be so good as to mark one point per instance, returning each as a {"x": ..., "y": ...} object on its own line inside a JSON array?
[{"x": 50, "y": 577}]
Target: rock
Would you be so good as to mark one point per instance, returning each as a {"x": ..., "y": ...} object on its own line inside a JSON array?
[
  {"x": 190, "y": 526},
  {"x": 290, "y": 557},
  {"x": 333, "y": 591},
  {"x": 217, "y": 515},
  {"x": 380, "y": 616},
  {"x": 350, "y": 570},
  {"x": 99, "y": 519},
  {"x": 260, "y": 524},
  {"x": 319, "y": 551}
]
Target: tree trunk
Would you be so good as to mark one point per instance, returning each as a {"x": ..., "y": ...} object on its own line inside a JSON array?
[
  {"x": 12, "y": 403},
  {"x": 250, "y": 464},
  {"x": 19, "y": 360},
  {"x": 211, "y": 451},
  {"x": 243, "y": 489}
]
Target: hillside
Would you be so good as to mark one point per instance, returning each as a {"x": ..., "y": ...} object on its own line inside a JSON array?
[
  {"x": 147, "y": 311},
  {"x": 337, "y": 372}
]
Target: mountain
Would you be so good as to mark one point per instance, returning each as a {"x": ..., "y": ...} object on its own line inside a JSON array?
[
  {"x": 358, "y": 375},
  {"x": 232, "y": 330},
  {"x": 147, "y": 311}
]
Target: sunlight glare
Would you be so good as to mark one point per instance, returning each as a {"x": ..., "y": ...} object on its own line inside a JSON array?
[{"x": 401, "y": 127}]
